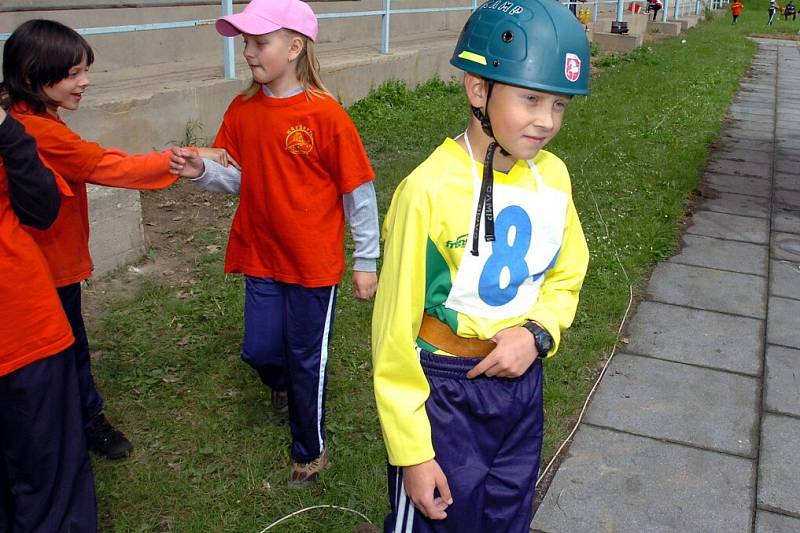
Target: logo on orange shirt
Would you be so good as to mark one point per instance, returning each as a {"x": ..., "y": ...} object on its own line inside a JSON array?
[{"x": 299, "y": 140}]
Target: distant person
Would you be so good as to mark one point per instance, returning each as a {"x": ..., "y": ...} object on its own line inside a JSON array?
[
  {"x": 790, "y": 10},
  {"x": 654, "y": 6},
  {"x": 773, "y": 8},
  {"x": 736, "y": 10}
]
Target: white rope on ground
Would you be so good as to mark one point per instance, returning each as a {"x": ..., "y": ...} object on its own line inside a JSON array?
[
  {"x": 619, "y": 330},
  {"x": 324, "y": 506}
]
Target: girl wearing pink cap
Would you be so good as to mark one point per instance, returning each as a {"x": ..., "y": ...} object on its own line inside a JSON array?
[{"x": 303, "y": 170}]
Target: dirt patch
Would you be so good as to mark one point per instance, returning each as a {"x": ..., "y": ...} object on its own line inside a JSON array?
[{"x": 172, "y": 218}]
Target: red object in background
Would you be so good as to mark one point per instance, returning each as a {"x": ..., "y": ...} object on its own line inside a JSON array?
[{"x": 634, "y": 7}]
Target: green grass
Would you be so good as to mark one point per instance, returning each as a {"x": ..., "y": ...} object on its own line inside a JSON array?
[{"x": 211, "y": 457}]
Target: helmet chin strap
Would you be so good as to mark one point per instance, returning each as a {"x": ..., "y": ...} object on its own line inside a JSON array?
[{"x": 485, "y": 203}]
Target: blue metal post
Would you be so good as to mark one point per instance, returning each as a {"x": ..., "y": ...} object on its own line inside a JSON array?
[
  {"x": 664, "y": 11},
  {"x": 387, "y": 12},
  {"x": 619, "y": 10},
  {"x": 596, "y": 11},
  {"x": 677, "y": 9},
  {"x": 227, "y": 45}
]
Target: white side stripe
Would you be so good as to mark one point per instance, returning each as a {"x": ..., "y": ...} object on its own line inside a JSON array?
[
  {"x": 323, "y": 361},
  {"x": 405, "y": 507}
]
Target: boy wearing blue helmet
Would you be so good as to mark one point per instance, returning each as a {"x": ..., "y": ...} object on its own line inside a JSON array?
[{"x": 484, "y": 260}]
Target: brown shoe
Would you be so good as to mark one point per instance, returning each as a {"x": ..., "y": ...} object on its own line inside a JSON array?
[
  {"x": 280, "y": 401},
  {"x": 304, "y": 475}
]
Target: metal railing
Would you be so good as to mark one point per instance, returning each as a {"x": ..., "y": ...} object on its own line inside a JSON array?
[
  {"x": 228, "y": 42},
  {"x": 386, "y": 14}
]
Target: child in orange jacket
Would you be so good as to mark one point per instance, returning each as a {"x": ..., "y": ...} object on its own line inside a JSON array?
[
  {"x": 45, "y": 66},
  {"x": 46, "y": 479}
]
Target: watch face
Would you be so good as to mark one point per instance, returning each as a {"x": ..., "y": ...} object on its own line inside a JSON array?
[{"x": 545, "y": 341}]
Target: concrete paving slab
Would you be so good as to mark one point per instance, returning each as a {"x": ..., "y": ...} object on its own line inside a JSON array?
[
  {"x": 784, "y": 246},
  {"x": 767, "y": 522},
  {"x": 722, "y": 254},
  {"x": 751, "y": 125},
  {"x": 790, "y": 145},
  {"x": 614, "y": 482},
  {"x": 728, "y": 226},
  {"x": 730, "y": 143},
  {"x": 784, "y": 322},
  {"x": 787, "y": 198},
  {"x": 738, "y": 204},
  {"x": 746, "y": 109},
  {"x": 738, "y": 168},
  {"x": 709, "y": 289},
  {"x": 782, "y": 380},
  {"x": 740, "y": 118},
  {"x": 787, "y": 181},
  {"x": 786, "y": 220},
  {"x": 785, "y": 278},
  {"x": 738, "y": 184},
  {"x": 681, "y": 403},
  {"x": 739, "y": 133},
  {"x": 779, "y": 464},
  {"x": 763, "y": 157},
  {"x": 703, "y": 338}
]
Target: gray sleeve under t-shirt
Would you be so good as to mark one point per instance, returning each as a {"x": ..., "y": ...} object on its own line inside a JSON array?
[{"x": 360, "y": 210}]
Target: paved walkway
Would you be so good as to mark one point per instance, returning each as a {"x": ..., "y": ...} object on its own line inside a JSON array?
[{"x": 696, "y": 425}]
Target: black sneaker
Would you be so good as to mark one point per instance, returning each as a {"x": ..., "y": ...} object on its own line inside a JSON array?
[{"x": 103, "y": 439}]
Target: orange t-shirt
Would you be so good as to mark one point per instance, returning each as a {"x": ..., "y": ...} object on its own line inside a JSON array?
[
  {"x": 298, "y": 158},
  {"x": 66, "y": 243},
  {"x": 736, "y": 8},
  {"x": 32, "y": 323}
]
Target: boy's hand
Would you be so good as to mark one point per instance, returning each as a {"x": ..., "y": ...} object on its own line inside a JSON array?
[
  {"x": 420, "y": 481},
  {"x": 2, "y": 115},
  {"x": 186, "y": 162},
  {"x": 365, "y": 284},
  {"x": 220, "y": 155},
  {"x": 514, "y": 354}
]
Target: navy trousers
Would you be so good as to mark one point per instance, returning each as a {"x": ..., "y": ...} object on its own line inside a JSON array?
[
  {"x": 287, "y": 330},
  {"x": 91, "y": 401},
  {"x": 487, "y": 436},
  {"x": 46, "y": 482}
]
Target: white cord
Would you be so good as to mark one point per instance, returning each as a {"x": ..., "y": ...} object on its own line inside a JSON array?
[
  {"x": 324, "y": 506},
  {"x": 619, "y": 331}
]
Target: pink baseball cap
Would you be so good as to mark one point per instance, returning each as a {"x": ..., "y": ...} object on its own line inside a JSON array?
[{"x": 265, "y": 16}]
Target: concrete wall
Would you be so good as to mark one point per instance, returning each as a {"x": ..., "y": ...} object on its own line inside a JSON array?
[{"x": 165, "y": 46}]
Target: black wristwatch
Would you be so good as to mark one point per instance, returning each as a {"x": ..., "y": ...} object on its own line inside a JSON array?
[{"x": 541, "y": 338}]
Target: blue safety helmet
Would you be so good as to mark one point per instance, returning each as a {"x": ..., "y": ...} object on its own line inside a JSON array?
[{"x": 536, "y": 44}]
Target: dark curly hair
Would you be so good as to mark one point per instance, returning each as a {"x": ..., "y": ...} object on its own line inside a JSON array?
[{"x": 39, "y": 54}]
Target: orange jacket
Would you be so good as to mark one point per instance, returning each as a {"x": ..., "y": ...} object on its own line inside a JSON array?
[
  {"x": 736, "y": 8},
  {"x": 32, "y": 323},
  {"x": 66, "y": 243}
]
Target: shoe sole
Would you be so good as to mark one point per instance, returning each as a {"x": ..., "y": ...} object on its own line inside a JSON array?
[{"x": 113, "y": 457}]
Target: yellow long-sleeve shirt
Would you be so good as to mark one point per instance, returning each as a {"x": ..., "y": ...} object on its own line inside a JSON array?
[{"x": 532, "y": 271}]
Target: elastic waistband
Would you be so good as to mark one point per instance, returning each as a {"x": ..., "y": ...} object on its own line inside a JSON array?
[{"x": 457, "y": 367}]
